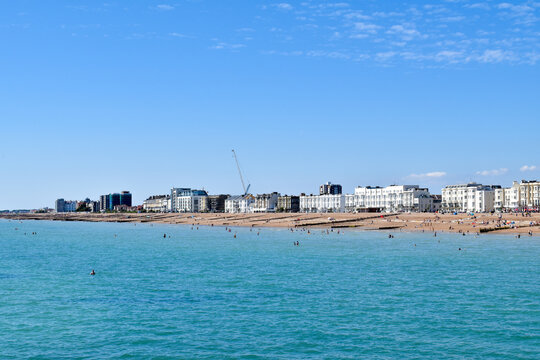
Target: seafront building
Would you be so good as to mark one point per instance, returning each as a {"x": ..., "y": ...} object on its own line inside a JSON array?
[
  {"x": 93, "y": 206},
  {"x": 157, "y": 203},
  {"x": 108, "y": 202},
  {"x": 125, "y": 208},
  {"x": 330, "y": 189},
  {"x": 394, "y": 198},
  {"x": 62, "y": 205},
  {"x": 186, "y": 199},
  {"x": 471, "y": 197},
  {"x": 239, "y": 204},
  {"x": 85, "y": 205},
  {"x": 524, "y": 195},
  {"x": 507, "y": 198},
  {"x": 322, "y": 203},
  {"x": 213, "y": 203},
  {"x": 288, "y": 203},
  {"x": 265, "y": 202},
  {"x": 529, "y": 194},
  {"x": 437, "y": 203},
  {"x": 88, "y": 205}
]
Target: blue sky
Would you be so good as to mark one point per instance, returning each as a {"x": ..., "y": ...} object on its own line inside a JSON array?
[{"x": 99, "y": 97}]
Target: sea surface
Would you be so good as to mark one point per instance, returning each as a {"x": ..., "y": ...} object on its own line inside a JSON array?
[{"x": 203, "y": 294}]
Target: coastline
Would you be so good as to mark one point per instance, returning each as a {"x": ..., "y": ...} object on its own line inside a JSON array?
[{"x": 410, "y": 222}]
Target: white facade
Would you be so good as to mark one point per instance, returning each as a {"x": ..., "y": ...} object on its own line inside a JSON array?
[
  {"x": 507, "y": 198},
  {"x": 520, "y": 196},
  {"x": 186, "y": 200},
  {"x": 349, "y": 203},
  {"x": 188, "y": 203},
  {"x": 471, "y": 197},
  {"x": 322, "y": 203},
  {"x": 529, "y": 194},
  {"x": 157, "y": 204},
  {"x": 392, "y": 198},
  {"x": 265, "y": 202},
  {"x": 239, "y": 204}
]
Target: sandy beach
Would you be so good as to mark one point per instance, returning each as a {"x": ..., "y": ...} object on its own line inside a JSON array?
[{"x": 426, "y": 222}]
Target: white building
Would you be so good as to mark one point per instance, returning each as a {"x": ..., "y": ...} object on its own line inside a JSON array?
[
  {"x": 186, "y": 200},
  {"x": 239, "y": 204},
  {"x": 507, "y": 198},
  {"x": 265, "y": 202},
  {"x": 392, "y": 198},
  {"x": 322, "y": 203},
  {"x": 157, "y": 203},
  {"x": 529, "y": 194},
  {"x": 520, "y": 196},
  {"x": 349, "y": 203},
  {"x": 470, "y": 197}
]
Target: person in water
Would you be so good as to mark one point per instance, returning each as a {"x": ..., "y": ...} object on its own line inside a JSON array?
[{"x": 93, "y": 272}]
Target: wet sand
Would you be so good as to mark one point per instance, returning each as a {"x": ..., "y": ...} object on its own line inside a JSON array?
[{"x": 461, "y": 223}]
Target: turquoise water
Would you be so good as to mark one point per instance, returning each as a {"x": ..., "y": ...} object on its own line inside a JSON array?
[{"x": 204, "y": 294}]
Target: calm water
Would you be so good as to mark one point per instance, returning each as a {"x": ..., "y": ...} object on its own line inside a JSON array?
[{"x": 203, "y": 294}]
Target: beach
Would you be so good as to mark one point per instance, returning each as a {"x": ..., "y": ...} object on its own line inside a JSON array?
[{"x": 413, "y": 222}]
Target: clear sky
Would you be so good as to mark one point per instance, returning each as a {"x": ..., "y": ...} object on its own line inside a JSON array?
[{"x": 99, "y": 97}]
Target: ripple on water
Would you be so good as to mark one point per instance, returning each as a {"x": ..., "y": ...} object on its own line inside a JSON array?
[{"x": 205, "y": 295}]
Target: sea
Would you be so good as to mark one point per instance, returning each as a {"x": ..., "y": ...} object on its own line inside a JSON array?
[{"x": 183, "y": 292}]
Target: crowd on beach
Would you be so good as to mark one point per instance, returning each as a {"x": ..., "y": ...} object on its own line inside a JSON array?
[{"x": 434, "y": 222}]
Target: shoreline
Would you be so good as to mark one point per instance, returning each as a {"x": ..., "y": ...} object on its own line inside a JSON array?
[{"x": 409, "y": 222}]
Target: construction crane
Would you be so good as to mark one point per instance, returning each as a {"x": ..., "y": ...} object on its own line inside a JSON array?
[{"x": 240, "y": 172}]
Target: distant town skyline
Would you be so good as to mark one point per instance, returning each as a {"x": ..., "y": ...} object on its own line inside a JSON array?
[{"x": 146, "y": 96}]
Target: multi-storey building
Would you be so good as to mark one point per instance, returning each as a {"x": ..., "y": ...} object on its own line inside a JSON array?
[
  {"x": 239, "y": 204},
  {"x": 437, "y": 203},
  {"x": 529, "y": 194},
  {"x": 524, "y": 195},
  {"x": 392, "y": 198},
  {"x": 213, "y": 203},
  {"x": 322, "y": 203},
  {"x": 186, "y": 200},
  {"x": 288, "y": 203},
  {"x": 470, "y": 197},
  {"x": 108, "y": 202},
  {"x": 507, "y": 198},
  {"x": 62, "y": 205},
  {"x": 330, "y": 189},
  {"x": 265, "y": 202},
  {"x": 157, "y": 203},
  {"x": 88, "y": 205}
]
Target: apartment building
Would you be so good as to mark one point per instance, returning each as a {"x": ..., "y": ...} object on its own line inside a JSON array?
[
  {"x": 471, "y": 197},
  {"x": 266, "y": 202},
  {"x": 288, "y": 203},
  {"x": 239, "y": 204},
  {"x": 394, "y": 198},
  {"x": 322, "y": 203},
  {"x": 186, "y": 199},
  {"x": 157, "y": 203}
]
